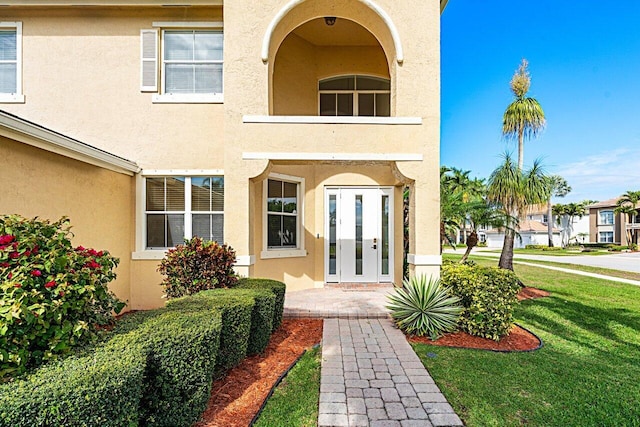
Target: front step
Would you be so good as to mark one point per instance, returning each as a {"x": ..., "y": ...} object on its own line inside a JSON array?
[{"x": 354, "y": 286}]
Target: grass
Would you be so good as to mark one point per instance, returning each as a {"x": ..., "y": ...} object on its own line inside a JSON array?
[
  {"x": 585, "y": 375},
  {"x": 295, "y": 401}
]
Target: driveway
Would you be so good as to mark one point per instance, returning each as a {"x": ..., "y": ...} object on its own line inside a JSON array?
[{"x": 622, "y": 261}]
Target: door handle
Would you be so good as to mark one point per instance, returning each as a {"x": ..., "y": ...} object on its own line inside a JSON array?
[
  {"x": 374, "y": 246},
  {"x": 375, "y": 243}
]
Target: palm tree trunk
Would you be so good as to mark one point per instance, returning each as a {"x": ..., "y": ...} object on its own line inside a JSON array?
[
  {"x": 506, "y": 257},
  {"x": 550, "y": 223},
  {"x": 520, "y": 148},
  {"x": 472, "y": 241}
]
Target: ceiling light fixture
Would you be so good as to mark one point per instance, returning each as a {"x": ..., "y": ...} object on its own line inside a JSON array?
[{"x": 330, "y": 20}]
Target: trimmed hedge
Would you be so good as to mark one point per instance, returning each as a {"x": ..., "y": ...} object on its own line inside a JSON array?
[
  {"x": 181, "y": 355},
  {"x": 278, "y": 288},
  {"x": 261, "y": 318},
  {"x": 235, "y": 309},
  {"x": 103, "y": 388},
  {"x": 488, "y": 294}
]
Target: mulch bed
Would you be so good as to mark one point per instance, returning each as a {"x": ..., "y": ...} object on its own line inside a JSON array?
[
  {"x": 236, "y": 398},
  {"x": 519, "y": 339},
  {"x": 531, "y": 293}
]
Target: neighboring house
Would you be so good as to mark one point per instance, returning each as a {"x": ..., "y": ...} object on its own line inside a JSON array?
[
  {"x": 531, "y": 233},
  {"x": 286, "y": 129},
  {"x": 606, "y": 226}
]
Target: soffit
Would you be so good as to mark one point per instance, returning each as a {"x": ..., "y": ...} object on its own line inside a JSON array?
[{"x": 343, "y": 33}]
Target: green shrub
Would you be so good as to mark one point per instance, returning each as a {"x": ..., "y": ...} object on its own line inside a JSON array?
[
  {"x": 196, "y": 266},
  {"x": 617, "y": 248},
  {"x": 235, "y": 309},
  {"x": 261, "y": 318},
  {"x": 424, "y": 307},
  {"x": 182, "y": 349},
  {"x": 488, "y": 294},
  {"x": 100, "y": 389},
  {"x": 52, "y": 296},
  {"x": 278, "y": 288},
  {"x": 535, "y": 246},
  {"x": 552, "y": 248}
]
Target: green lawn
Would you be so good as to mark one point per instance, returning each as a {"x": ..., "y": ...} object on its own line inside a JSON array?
[
  {"x": 587, "y": 373},
  {"x": 295, "y": 401}
]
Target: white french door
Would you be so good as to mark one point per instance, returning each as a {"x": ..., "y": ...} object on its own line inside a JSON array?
[{"x": 359, "y": 234}]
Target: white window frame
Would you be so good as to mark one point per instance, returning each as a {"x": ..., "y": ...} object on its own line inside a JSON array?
[
  {"x": 601, "y": 240},
  {"x": 142, "y": 252},
  {"x": 299, "y": 251},
  {"x": 354, "y": 94},
  {"x": 601, "y": 222},
  {"x": 18, "y": 96},
  {"x": 185, "y": 98}
]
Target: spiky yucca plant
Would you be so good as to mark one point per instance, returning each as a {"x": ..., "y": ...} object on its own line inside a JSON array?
[{"x": 424, "y": 307}]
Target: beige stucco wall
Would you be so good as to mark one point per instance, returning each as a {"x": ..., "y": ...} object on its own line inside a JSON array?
[
  {"x": 81, "y": 77},
  {"x": 97, "y": 201}
]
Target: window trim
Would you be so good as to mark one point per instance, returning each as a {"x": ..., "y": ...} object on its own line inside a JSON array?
[
  {"x": 185, "y": 98},
  {"x": 269, "y": 253},
  {"x": 141, "y": 252},
  {"x": 18, "y": 97}
]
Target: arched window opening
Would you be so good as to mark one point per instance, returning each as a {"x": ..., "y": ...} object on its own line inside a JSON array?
[{"x": 355, "y": 95}]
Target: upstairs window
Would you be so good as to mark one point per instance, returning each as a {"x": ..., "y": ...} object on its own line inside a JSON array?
[
  {"x": 10, "y": 62},
  {"x": 183, "y": 64},
  {"x": 606, "y": 218},
  {"x": 355, "y": 96},
  {"x": 192, "y": 62}
]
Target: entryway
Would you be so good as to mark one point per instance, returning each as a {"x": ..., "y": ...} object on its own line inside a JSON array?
[{"x": 359, "y": 234}]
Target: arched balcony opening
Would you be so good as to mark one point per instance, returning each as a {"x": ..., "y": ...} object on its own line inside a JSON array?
[{"x": 331, "y": 61}]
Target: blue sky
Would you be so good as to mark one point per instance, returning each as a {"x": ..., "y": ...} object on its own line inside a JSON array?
[{"x": 584, "y": 60}]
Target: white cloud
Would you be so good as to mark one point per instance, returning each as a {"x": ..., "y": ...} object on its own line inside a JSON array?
[{"x": 602, "y": 176}]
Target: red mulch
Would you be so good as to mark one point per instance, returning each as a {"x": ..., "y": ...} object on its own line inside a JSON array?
[
  {"x": 519, "y": 339},
  {"x": 236, "y": 398},
  {"x": 530, "y": 293}
]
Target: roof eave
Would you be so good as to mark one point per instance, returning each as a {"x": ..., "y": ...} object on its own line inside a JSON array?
[{"x": 18, "y": 129}]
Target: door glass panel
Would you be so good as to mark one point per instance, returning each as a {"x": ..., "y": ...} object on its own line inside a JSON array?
[
  {"x": 345, "y": 104},
  {"x": 328, "y": 104},
  {"x": 365, "y": 104},
  {"x": 372, "y": 83},
  {"x": 384, "y": 238},
  {"x": 332, "y": 234},
  {"x": 383, "y": 105},
  {"x": 359, "y": 234}
]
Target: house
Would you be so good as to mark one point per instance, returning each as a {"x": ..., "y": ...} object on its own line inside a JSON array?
[
  {"x": 284, "y": 128},
  {"x": 531, "y": 232},
  {"x": 607, "y": 226}
]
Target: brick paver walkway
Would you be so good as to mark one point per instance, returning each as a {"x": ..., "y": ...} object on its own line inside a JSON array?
[{"x": 372, "y": 377}]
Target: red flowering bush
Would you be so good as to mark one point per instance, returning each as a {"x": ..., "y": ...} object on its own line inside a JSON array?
[
  {"x": 196, "y": 266},
  {"x": 52, "y": 296}
]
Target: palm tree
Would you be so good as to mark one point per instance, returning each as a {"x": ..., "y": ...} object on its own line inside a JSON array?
[
  {"x": 524, "y": 117},
  {"x": 558, "y": 187},
  {"x": 628, "y": 205},
  {"x": 480, "y": 213},
  {"x": 513, "y": 189},
  {"x": 451, "y": 214}
]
